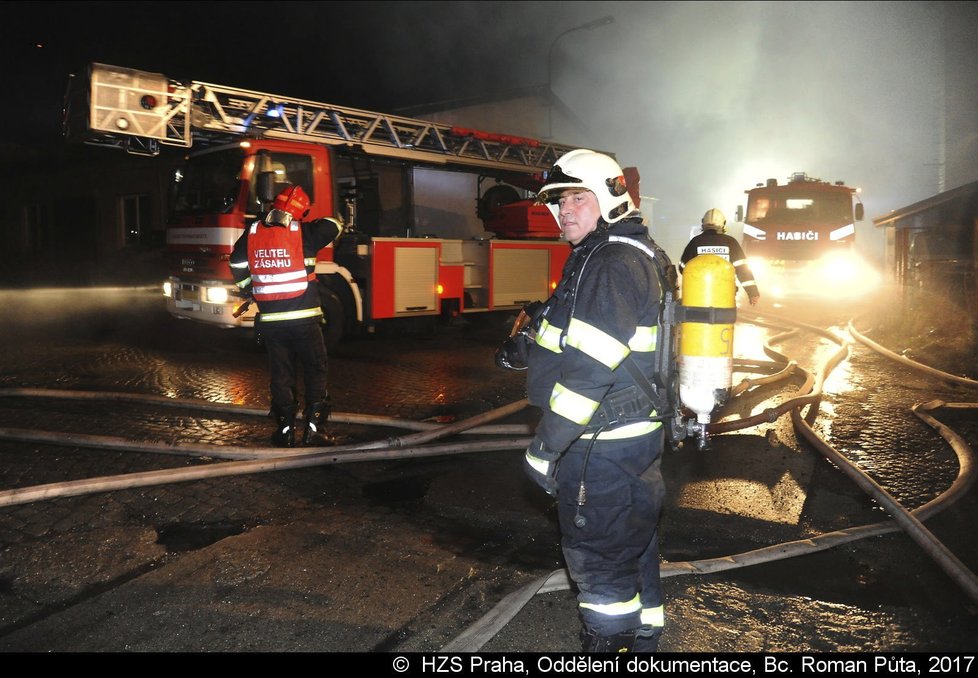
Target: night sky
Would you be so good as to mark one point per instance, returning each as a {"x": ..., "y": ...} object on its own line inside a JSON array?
[{"x": 707, "y": 99}]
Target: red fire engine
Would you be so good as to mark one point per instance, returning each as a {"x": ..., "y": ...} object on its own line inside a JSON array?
[
  {"x": 799, "y": 238},
  {"x": 440, "y": 219}
]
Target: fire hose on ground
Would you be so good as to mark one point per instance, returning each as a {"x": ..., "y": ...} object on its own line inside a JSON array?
[
  {"x": 254, "y": 460},
  {"x": 249, "y": 460},
  {"x": 268, "y": 458}
]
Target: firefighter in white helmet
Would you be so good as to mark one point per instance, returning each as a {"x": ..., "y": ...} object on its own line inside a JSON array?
[
  {"x": 597, "y": 447},
  {"x": 715, "y": 240}
]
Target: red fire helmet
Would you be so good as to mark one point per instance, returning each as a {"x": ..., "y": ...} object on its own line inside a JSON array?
[{"x": 294, "y": 201}]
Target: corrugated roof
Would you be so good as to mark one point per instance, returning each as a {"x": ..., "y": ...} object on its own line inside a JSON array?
[{"x": 965, "y": 192}]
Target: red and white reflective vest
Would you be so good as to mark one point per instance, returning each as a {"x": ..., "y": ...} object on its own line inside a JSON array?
[{"x": 276, "y": 262}]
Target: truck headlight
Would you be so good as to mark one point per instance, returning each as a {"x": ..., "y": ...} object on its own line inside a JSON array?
[
  {"x": 215, "y": 295},
  {"x": 841, "y": 268},
  {"x": 846, "y": 272}
]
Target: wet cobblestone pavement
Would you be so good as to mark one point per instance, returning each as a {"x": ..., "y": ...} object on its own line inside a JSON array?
[{"x": 404, "y": 555}]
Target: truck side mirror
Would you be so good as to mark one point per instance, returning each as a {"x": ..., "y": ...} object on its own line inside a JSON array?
[
  {"x": 265, "y": 186},
  {"x": 860, "y": 211}
]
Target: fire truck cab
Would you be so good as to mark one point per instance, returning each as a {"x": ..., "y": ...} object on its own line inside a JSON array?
[{"x": 799, "y": 238}]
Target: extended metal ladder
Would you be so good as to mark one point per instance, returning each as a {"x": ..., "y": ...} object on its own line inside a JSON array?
[{"x": 137, "y": 110}]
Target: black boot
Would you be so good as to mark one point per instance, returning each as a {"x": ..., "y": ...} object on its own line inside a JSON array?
[
  {"x": 619, "y": 642},
  {"x": 647, "y": 639},
  {"x": 284, "y": 435},
  {"x": 316, "y": 414}
]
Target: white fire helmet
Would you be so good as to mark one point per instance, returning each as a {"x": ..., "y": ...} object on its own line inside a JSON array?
[
  {"x": 596, "y": 172},
  {"x": 715, "y": 218}
]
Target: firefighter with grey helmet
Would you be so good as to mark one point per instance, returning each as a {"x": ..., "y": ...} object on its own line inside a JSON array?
[
  {"x": 597, "y": 446},
  {"x": 274, "y": 260},
  {"x": 714, "y": 239}
]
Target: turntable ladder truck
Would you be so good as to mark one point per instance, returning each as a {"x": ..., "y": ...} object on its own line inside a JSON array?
[{"x": 440, "y": 219}]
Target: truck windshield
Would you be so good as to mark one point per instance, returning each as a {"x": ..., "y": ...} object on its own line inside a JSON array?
[
  {"x": 800, "y": 208},
  {"x": 209, "y": 183}
]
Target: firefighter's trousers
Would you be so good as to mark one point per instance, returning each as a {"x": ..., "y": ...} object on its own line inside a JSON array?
[
  {"x": 611, "y": 541},
  {"x": 289, "y": 347}
]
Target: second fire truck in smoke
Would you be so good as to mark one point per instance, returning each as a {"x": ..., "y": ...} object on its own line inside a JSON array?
[{"x": 800, "y": 237}]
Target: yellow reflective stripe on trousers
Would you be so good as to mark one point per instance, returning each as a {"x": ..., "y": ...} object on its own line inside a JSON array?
[
  {"x": 309, "y": 261},
  {"x": 573, "y": 406},
  {"x": 654, "y": 616},
  {"x": 615, "y": 609},
  {"x": 548, "y": 336},
  {"x": 636, "y": 430},
  {"x": 243, "y": 283},
  {"x": 645, "y": 339},
  {"x": 596, "y": 343},
  {"x": 291, "y": 315}
]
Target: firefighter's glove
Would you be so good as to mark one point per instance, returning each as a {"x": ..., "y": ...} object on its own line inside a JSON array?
[
  {"x": 540, "y": 464},
  {"x": 514, "y": 353},
  {"x": 753, "y": 298},
  {"x": 529, "y": 314}
]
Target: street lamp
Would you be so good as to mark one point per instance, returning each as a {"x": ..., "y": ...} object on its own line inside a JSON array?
[{"x": 590, "y": 25}]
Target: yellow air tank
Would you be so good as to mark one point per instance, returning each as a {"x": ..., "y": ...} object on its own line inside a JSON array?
[{"x": 709, "y": 292}]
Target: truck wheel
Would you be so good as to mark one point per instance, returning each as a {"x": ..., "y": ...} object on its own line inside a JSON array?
[{"x": 333, "y": 314}]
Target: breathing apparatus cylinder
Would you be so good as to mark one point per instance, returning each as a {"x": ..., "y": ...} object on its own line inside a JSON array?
[{"x": 709, "y": 290}]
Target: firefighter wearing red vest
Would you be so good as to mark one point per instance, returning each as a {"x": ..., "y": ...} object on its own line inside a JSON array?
[{"x": 275, "y": 259}]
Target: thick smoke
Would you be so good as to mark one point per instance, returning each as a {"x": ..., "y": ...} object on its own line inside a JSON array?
[{"x": 708, "y": 99}]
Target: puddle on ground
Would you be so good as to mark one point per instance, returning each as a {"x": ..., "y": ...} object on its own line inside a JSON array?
[
  {"x": 178, "y": 537},
  {"x": 398, "y": 492}
]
